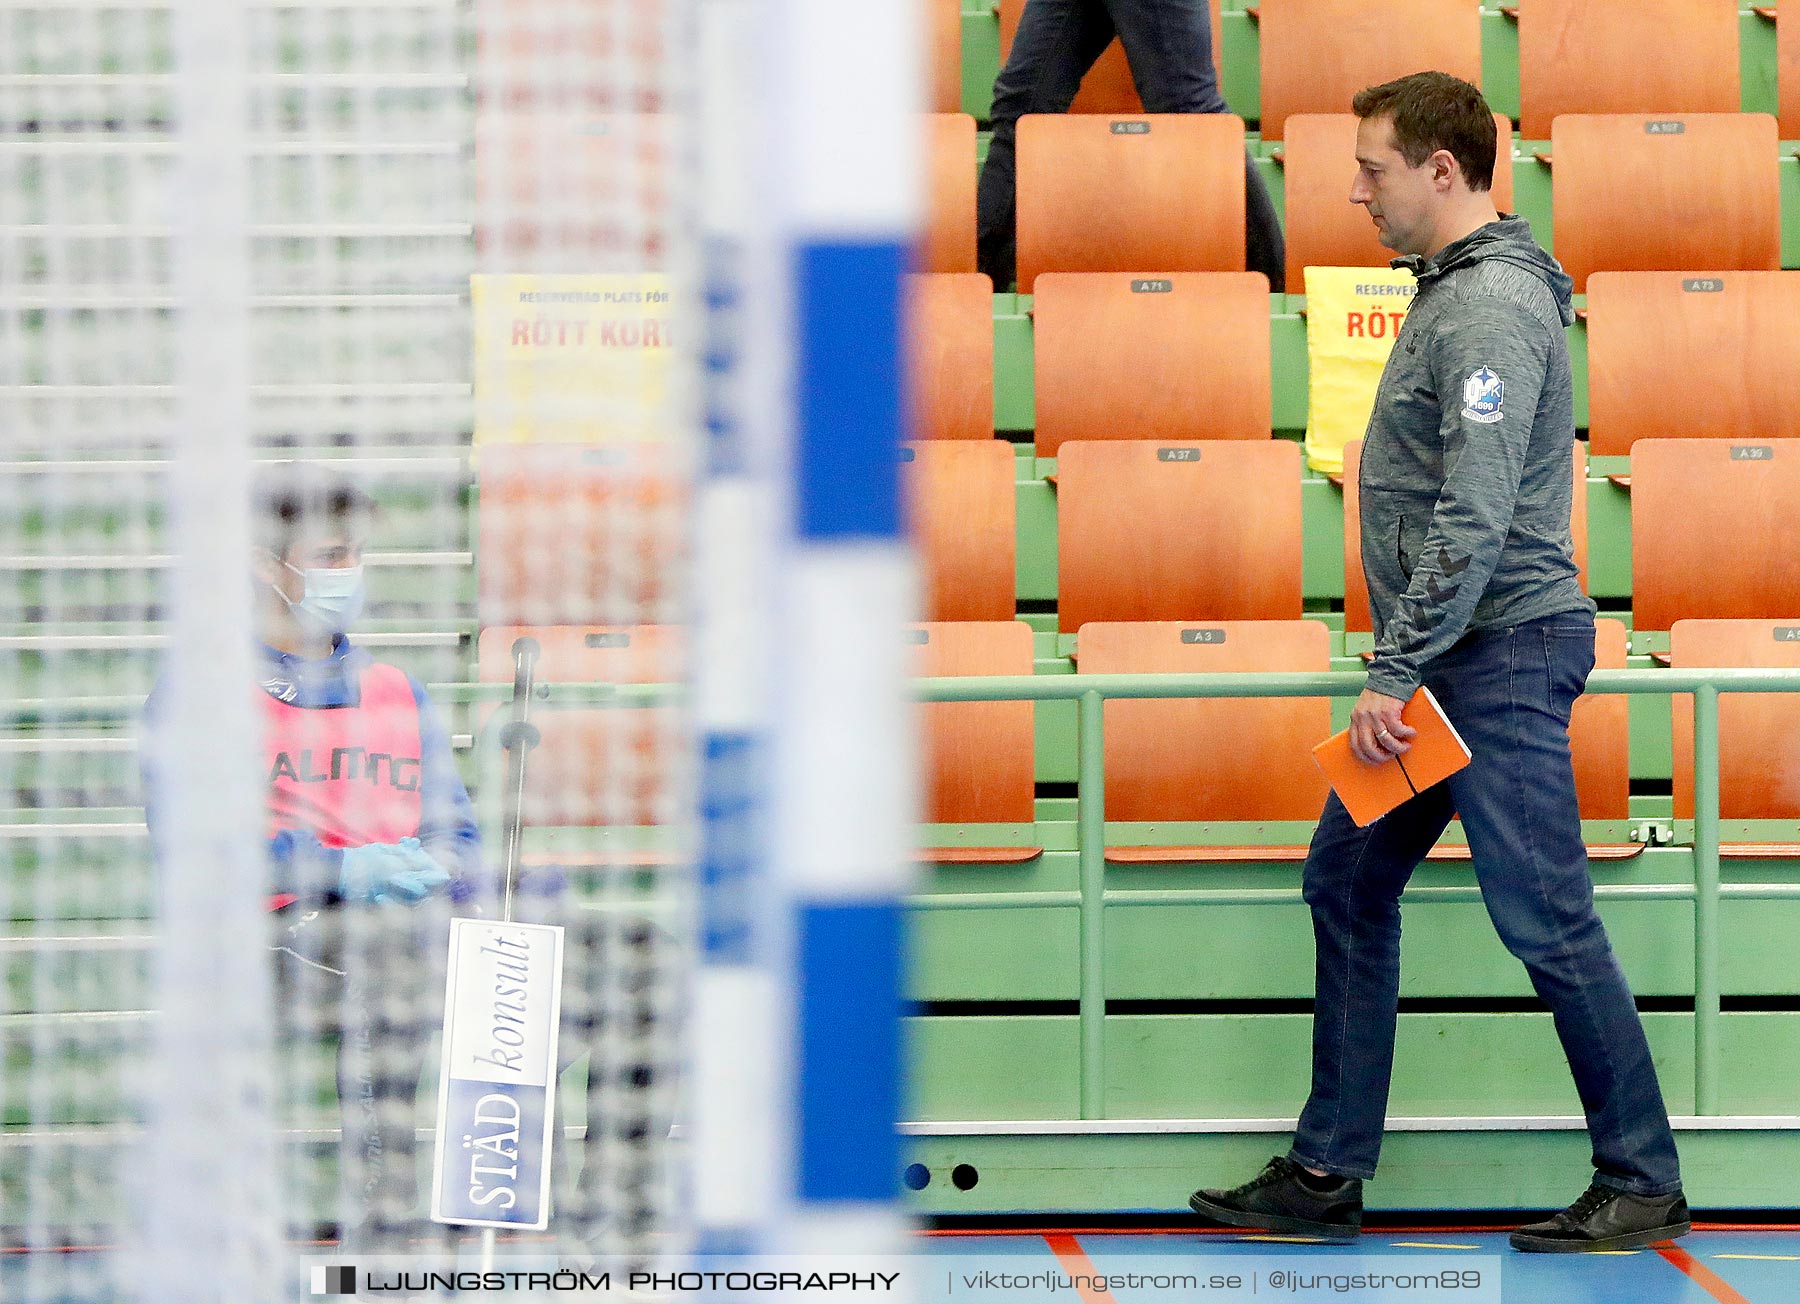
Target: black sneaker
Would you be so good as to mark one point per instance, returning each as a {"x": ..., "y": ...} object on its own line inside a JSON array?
[
  {"x": 1275, "y": 1200},
  {"x": 1606, "y": 1218}
]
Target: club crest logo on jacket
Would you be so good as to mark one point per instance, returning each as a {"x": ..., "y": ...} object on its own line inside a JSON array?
[{"x": 1483, "y": 392}]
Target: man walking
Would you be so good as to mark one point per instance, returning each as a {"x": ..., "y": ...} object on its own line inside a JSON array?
[{"x": 1466, "y": 490}]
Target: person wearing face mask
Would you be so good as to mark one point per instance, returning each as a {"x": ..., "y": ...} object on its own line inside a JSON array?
[
  {"x": 371, "y": 836},
  {"x": 365, "y": 803}
]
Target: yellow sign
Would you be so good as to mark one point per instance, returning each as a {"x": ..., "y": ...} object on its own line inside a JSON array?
[
  {"x": 573, "y": 359},
  {"x": 1352, "y": 317}
]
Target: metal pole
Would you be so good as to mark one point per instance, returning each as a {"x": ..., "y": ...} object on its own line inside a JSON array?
[
  {"x": 1090, "y": 839},
  {"x": 1706, "y": 900},
  {"x": 517, "y": 738}
]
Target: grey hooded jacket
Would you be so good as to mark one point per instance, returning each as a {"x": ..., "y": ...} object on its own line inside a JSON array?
[{"x": 1467, "y": 466}]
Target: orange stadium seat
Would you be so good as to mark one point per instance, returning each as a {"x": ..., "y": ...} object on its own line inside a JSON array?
[
  {"x": 978, "y": 756},
  {"x": 1578, "y": 513},
  {"x": 570, "y": 534},
  {"x": 944, "y": 40},
  {"x": 1154, "y": 531},
  {"x": 1712, "y": 530},
  {"x": 1151, "y": 195},
  {"x": 1759, "y": 763},
  {"x": 1316, "y": 54},
  {"x": 1108, "y": 86},
  {"x": 1600, "y": 735},
  {"x": 1730, "y": 338},
  {"x": 1636, "y": 194},
  {"x": 1357, "y": 619},
  {"x": 598, "y": 766},
  {"x": 1625, "y": 56},
  {"x": 950, "y": 355},
  {"x": 1174, "y": 357},
  {"x": 1324, "y": 229},
  {"x": 960, "y": 504},
  {"x": 1787, "y": 69},
  {"x": 1210, "y": 759},
  {"x": 948, "y": 242}
]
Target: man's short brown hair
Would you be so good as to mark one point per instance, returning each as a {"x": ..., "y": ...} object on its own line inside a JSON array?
[{"x": 1432, "y": 111}]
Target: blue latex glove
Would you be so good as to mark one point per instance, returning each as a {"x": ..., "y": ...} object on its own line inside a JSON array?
[{"x": 390, "y": 871}]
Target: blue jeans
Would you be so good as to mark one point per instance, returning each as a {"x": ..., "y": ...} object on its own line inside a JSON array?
[
  {"x": 1169, "y": 46},
  {"x": 1509, "y": 693}
]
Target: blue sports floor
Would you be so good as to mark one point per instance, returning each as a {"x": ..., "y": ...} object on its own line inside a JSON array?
[{"x": 1715, "y": 1264}]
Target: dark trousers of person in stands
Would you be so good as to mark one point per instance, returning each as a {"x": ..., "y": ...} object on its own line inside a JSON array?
[
  {"x": 370, "y": 978},
  {"x": 1169, "y": 46},
  {"x": 1509, "y": 693}
]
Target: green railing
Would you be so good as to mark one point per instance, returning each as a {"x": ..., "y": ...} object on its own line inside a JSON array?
[{"x": 1090, "y": 693}]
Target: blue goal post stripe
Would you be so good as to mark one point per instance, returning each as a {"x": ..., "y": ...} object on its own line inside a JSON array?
[{"x": 847, "y": 394}]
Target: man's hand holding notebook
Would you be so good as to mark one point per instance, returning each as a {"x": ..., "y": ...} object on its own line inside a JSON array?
[{"x": 1434, "y": 752}]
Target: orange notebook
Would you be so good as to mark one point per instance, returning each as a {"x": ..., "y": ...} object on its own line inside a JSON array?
[{"x": 1371, "y": 791}]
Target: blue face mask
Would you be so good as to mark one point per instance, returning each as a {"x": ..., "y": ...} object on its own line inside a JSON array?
[{"x": 334, "y": 597}]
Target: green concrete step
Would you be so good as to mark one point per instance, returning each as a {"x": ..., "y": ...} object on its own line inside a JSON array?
[
  {"x": 1204, "y": 951},
  {"x": 1240, "y": 1066}
]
